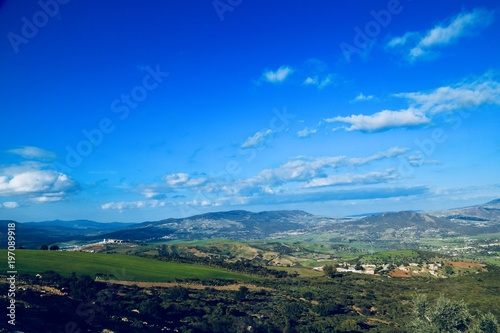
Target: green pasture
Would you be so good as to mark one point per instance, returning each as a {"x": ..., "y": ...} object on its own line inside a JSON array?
[{"x": 116, "y": 266}]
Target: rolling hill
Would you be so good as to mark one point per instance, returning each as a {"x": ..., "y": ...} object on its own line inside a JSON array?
[
  {"x": 115, "y": 266},
  {"x": 34, "y": 234},
  {"x": 237, "y": 224},
  {"x": 245, "y": 225}
]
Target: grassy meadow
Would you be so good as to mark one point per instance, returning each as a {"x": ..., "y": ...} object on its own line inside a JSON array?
[{"x": 115, "y": 266}]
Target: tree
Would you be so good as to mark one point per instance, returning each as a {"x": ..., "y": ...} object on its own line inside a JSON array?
[
  {"x": 487, "y": 323},
  {"x": 150, "y": 308},
  {"x": 350, "y": 325},
  {"x": 358, "y": 267},
  {"x": 448, "y": 316},
  {"x": 44, "y": 247},
  {"x": 54, "y": 247},
  {"x": 329, "y": 270},
  {"x": 241, "y": 294}
]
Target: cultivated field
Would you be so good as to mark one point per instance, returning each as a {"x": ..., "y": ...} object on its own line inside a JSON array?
[{"x": 115, "y": 266}]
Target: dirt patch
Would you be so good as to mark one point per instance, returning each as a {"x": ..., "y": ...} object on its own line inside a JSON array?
[
  {"x": 371, "y": 320},
  {"x": 235, "y": 286},
  {"x": 358, "y": 310},
  {"x": 399, "y": 273},
  {"x": 464, "y": 264},
  {"x": 44, "y": 290},
  {"x": 197, "y": 252}
]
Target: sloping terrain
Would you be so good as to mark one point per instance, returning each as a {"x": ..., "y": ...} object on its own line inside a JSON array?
[
  {"x": 115, "y": 266},
  {"x": 245, "y": 225},
  {"x": 489, "y": 211},
  {"x": 236, "y": 224},
  {"x": 398, "y": 225},
  {"x": 34, "y": 234}
]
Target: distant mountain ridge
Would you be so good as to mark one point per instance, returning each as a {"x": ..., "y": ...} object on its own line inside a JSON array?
[
  {"x": 34, "y": 234},
  {"x": 81, "y": 224},
  {"x": 246, "y": 225},
  {"x": 235, "y": 224},
  {"x": 489, "y": 211},
  {"x": 396, "y": 225}
]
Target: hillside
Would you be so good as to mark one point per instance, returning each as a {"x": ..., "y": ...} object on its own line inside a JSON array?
[
  {"x": 244, "y": 225},
  {"x": 115, "y": 266},
  {"x": 237, "y": 224},
  {"x": 488, "y": 212},
  {"x": 399, "y": 224},
  {"x": 34, "y": 234}
]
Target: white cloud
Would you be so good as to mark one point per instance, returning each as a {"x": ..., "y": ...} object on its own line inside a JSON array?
[
  {"x": 362, "y": 98},
  {"x": 303, "y": 170},
  {"x": 306, "y": 132},
  {"x": 358, "y": 193},
  {"x": 382, "y": 120},
  {"x": 30, "y": 152},
  {"x": 257, "y": 139},
  {"x": 176, "y": 180},
  {"x": 418, "y": 159},
  {"x": 353, "y": 179},
  {"x": 280, "y": 75},
  {"x": 401, "y": 41},
  {"x": 311, "y": 80},
  {"x": 420, "y": 45},
  {"x": 450, "y": 98},
  {"x": 288, "y": 182},
  {"x": 35, "y": 183},
  {"x": 10, "y": 205},
  {"x": 150, "y": 194},
  {"x": 120, "y": 206},
  {"x": 320, "y": 83},
  {"x": 423, "y": 106},
  {"x": 49, "y": 197}
]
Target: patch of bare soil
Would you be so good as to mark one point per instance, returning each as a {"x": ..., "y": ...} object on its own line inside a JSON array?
[
  {"x": 235, "y": 286},
  {"x": 465, "y": 264},
  {"x": 399, "y": 273}
]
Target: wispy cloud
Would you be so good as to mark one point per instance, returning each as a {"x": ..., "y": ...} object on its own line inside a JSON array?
[
  {"x": 482, "y": 91},
  {"x": 362, "y": 98},
  {"x": 319, "y": 82},
  {"x": 306, "y": 132},
  {"x": 176, "y": 180},
  {"x": 279, "y": 75},
  {"x": 382, "y": 120},
  {"x": 31, "y": 152},
  {"x": 257, "y": 139},
  {"x": 353, "y": 179},
  {"x": 312, "y": 72},
  {"x": 302, "y": 170},
  {"x": 10, "y": 205},
  {"x": 359, "y": 193},
  {"x": 302, "y": 175},
  {"x": 124, "y": 205},
  {"x": 422, "y": 45},
  {"x": 423, "y": 106}
]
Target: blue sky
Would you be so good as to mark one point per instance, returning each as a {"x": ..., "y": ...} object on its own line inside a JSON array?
[{"x": 144, "y": 110}]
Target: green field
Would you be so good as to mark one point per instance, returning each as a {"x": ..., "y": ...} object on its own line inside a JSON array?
[
  {"x": 303, "y": 272},
  {"x": 387, "y": 256},
  {"x": 116, "y": 266}
]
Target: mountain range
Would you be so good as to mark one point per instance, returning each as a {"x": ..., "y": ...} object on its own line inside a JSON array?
[{"x": 245, "y": 225}]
